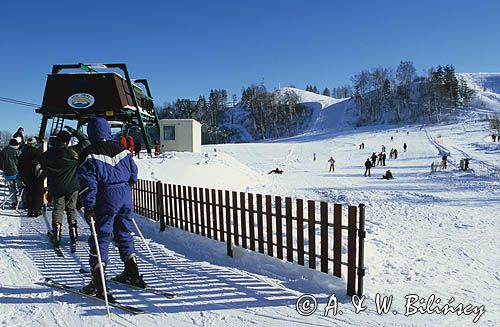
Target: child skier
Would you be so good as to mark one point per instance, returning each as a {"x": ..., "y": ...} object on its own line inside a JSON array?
[{"x": 106, "y": 174}]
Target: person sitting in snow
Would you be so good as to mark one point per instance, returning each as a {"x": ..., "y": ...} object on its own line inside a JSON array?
[
  {"x": 106, "y": 173},
  {"x": 388, "y": 175},
  {"x": 276, "y": 171}
]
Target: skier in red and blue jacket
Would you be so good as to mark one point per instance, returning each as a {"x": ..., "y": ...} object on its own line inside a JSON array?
[{"x": 106, "y": 174}]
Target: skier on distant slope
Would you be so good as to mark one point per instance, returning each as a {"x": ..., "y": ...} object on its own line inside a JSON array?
[
  {"x": 106, "y": 174},
  {"x": 332, "y": 164},
  {"x": 368, "y": 166}
]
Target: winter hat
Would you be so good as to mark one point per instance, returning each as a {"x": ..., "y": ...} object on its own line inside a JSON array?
[
  {"x": 32, "y": 140},
  {"x": 98, "y": 130},
  {"x": 13, "y": 142},
  {"x": 63, "y": 137}
]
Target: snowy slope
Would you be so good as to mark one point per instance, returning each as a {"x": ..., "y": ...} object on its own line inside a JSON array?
[{"x": 427, "y": 233}]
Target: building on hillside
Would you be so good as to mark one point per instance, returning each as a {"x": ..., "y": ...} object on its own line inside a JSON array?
[{"x": 182, "y": 135}]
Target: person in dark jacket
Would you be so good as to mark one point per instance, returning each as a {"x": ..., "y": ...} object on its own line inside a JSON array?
[
  {"x": 368, "y": 166},
  {"x": 19, "y": 133},
  {"x": 106, "y": 173},
  {"x": 60, "y": 163},
  {"x": 33, "y": 180},
  {"x": 8, "y": 163},
  {"x": 388, "y": 175},
  {"x": 138, "y": 148},
  {"x": 332, "y": 164},
  {"x": 374, "y": 159},
  {"x": 405, "y": 147}
]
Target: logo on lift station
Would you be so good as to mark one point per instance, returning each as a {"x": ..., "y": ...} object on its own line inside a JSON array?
[{"x": 81, "y": 100}]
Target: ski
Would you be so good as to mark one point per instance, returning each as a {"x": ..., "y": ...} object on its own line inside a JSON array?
[
  {"x": 52, "y": 283},
  {"x": 153, "y": 290}
]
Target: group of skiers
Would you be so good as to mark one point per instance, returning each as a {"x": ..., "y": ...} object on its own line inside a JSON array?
[
  {"x": 379, "y": 159},
  {"x": 97, "y": 174}
]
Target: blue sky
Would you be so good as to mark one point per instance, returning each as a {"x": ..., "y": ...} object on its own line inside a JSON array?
[{"x": 185, "y": 48}]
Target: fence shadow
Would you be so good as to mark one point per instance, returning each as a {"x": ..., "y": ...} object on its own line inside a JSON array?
[{"x": 198, "y": 285}]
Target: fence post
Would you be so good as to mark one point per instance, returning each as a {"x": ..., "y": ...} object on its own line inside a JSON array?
[
  {"x": 202, "y": 212},
  {"x": 300, "y": 231},
  {"x": 229, "y": 246},
  {"x": 351, "y": 251},
  {"x": 179, "y": 206},
  {"x": 337, "y": 240},
  {"x": 361, "y": 254},
  {"x": 195, "y": 204},
  {"x": 243, "y": 220},
  {"x": 190, "y": 206},
  {"x": 279, "y": 228},
  {"x": 289, "y": 232},
  {"x": 235, "y": 219},
  {"x": 260, "y": 224},
  {"x": 160, "y": 205},
  {"x": 251, "y": 221},
  {"x": 324, "y": 236},
  {"x": 221, "y": 215},
  {"x": 207, "y": 210},
  {"x": 269, "y": 226},
  {"x": 214, "y": 213},
  {"x": 311, "y": 226},
  {"x": 168, "y": 208}
]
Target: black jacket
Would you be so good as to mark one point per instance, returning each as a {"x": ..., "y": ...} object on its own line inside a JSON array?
[
  {"x": 29, "y": 158},
  {"x": 8, "y": 161},
  {"x": 368, "y": 164},
  {"x": 60, "y": 163}
]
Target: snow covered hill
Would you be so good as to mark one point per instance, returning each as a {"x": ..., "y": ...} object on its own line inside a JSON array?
[{"x": 426, "y": 233}]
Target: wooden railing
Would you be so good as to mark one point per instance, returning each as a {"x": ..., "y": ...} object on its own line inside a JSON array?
[{"x": 263, "y": 223}]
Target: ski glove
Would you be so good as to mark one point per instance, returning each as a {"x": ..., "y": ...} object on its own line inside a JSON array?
[{"x": 89, "y": 213}]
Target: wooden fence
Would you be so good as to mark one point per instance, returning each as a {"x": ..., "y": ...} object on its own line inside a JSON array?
[{"x": 286, "y": 229}]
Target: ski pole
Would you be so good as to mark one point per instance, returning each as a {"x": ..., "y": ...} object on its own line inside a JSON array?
[
  {"x": 20, "y": 199},
  {"x": 144, "y": 241},
  {"x": 101, "y": 267},
  {"x": 5, "y": 201}
]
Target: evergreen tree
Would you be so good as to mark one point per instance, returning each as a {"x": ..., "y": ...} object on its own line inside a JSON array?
[{"x": 326, "y": 92}]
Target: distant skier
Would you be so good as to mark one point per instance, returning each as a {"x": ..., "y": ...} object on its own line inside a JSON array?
[
  {"x": 388, "y": 175},
  {"x": 332, "y": 164},
  {"x": 407, "y": 132},
  {"x": 123, "y": 141},
  {"x": 157, "y": 148},
  {"x": 379, "y": 161},
  {"x": 493, "y": 137},
  {"x": 383, "y": 148},
  {"x": 374, "y": 159},
  {"x": 466, "y": 164},
  {"x": 384, "y": 155},
  {"x": 404, "y": 147},
  {"x": 444, "y": 161},
  {"x": 130, "y": 144},
  {"x": 138, "y": 148},
  {"x": 275, "y": 171},
  {"x": 106, "y": 174},
  {"x": 362, "y": 146},
  {"x": 368, "y": 166},
  {"x": 392, "y": 138},
  {"x": 314, "y": 156},
  {"x": 395, "y": 154}
]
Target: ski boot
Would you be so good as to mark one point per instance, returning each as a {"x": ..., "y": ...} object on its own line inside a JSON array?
[
  {"x": 55, "y": 235},
  {"x": 130, "y": 274},
  {"x": 94, "y": 288},
  {"x": 73, "y": 235}
]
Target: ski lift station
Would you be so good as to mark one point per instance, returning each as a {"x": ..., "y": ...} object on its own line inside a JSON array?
[
  {"x": 99, "y": 91},
  {"x": 182, "y": 135}
]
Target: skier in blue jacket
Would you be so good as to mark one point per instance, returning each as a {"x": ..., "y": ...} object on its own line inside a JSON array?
[{"x": 106, "y": 174}]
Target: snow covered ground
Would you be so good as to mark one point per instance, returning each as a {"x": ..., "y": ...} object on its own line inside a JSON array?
[{"x": 427, "y": 233}]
